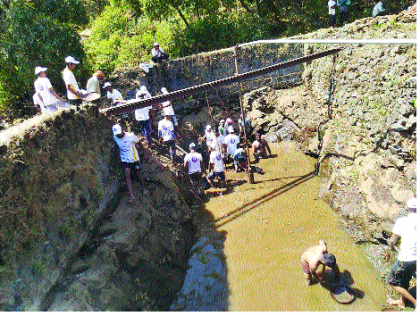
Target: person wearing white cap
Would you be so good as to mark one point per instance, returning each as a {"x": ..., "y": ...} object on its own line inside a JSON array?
[
  {"x": 73, "y": 92},
  {"x": 231, "y": 141},
  {"x": 166, "y": 135},
  {"x": 210, "y": 138},
  {"x": 158, "y": 54},
  {"x": 405, "y": 267},
  {"x": 143, "y": 114},
  {"x": 217, "y": 163},
  {"x": 129, "y": 156},
  {"x": 45, "y": 92},
  {"x": 167, "y": 108},
  {"x": 229, "y": 122},
  {"x": 113, "y": 95},
  {"x": 194, "y": 162}
]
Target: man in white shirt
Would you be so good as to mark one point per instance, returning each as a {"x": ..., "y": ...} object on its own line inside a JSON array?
[
  {"x": 332, "y": 5},
  {"x": 231, "y": 141},
  {"x": 113, "y": 95},
  {"x": 45, "y": 92},
  {"x": 92, "y": 85},
  {"x": 166, "y": 135},
  {"x": 158, "y": 54},
  {"x": 218, "y": 144},
  {"x": 217, "y": 163},
  {"x": 129, "y": 156},
  {"x": 143, "y": 114},
  {"x": 406, "y": 264},
  {"x": 210, "y": 138},
  {"x": 167, "y": 108},
  {"x": 194, "y": 162},
  {"x": 74, "y": 95}
]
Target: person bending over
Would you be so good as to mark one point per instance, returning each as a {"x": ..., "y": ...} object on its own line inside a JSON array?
[{"x": 317, "y": 256}]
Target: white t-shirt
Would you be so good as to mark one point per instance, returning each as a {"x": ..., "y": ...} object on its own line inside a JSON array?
[
  {"x": 232, "y": 142},
  {"x": 92, "y": 85},
  {"x": 128, "y": 151},
  {"x": 69, "y": 79},
  {"x": 406, "y": 228},
  {"x": 210, "y": 139},
  {"x": 143, "y": 95},
  {"x": 166, "y": 128},
  {"x": 167, "y": 110},
  {"x": 43, "y": 86},
  {"x": 115, "y": 96},
  {"x": 37, "y": 101},
  {"x": 216, "y": 158},
  {"x": 331, "y": 3},
  {"x": 219, "y": 142},
  {"x": 156, "y": 52},
  {"x": 142, "y": 113},
  {"x": 193, "y": 159}
]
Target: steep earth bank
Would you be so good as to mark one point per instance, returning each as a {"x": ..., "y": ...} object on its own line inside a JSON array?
[
  {"x": 69, "y": 239},
  {"x": 355, "y": 112}
]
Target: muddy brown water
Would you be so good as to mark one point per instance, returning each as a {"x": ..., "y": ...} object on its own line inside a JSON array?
[{"x": 270, "y": 224}]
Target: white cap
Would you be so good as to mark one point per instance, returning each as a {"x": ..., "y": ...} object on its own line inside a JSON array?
[
  {"x": 70, "y": 59},
  {"x": 38, "y": 70},
  {"x": 164, "y": 90},
  {"x": 230, "y": 129},
  {"x": 412, "y": 204},
  {"x": 156, "y": 44},
  {"x": 116, "y": 129},
  {"x": 229, "y": 121},
  {"x": 222, "y": 121},
  {"x": 143, "y": 89},
  {"x": 192, "y": 145},
  {"x": 208, "y": 128},
  {"x": 107, "y": 84}
]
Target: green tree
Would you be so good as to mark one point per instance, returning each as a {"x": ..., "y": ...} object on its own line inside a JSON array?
[{"x": 34, "y": 34}]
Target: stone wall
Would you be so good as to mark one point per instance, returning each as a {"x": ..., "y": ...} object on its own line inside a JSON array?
[{"x": 206, "y": 67}]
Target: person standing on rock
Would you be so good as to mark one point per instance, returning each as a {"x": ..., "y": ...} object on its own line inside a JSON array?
[
  {"x": 216, "y": 167},
  {"x": 143, "y": 114},
  {"x": 317, "y": 256},
  {"x": 74, "y": 95},
  {"x": 167, "y": 108},
  {"x": 405, "y": 266},
  {"x": 231, "y": 141},
  {"x": 129, "y": 156},
  {"x": 45, "y": 92},
  {"x": 260, "y": 147},
  {"x": 194, "y": 162},
  {"x": 378, "y": 9},
  {"x": 343, "y": 11},
  {"x": 166, "y": 135},
  {"x": 93, "y": 85},
  {"x": 210, "y": 138},
  {"x": 332, "y": 5}
]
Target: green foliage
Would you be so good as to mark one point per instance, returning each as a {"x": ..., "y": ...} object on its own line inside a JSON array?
[
  {"x": 216, "y": 32},
  {"x": 30, "y": 37},
  {"x": 118, "y": 40}
]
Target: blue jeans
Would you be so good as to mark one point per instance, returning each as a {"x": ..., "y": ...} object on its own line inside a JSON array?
[{"x": 145, "y": 126}]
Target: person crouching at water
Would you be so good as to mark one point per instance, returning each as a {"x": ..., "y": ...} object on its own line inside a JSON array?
[
  {"x": 240, "y": 160},
  {"x": 129, "y": 156},
  {"x": 260, "y": 147},
  {"x": 315, "y": 256}
]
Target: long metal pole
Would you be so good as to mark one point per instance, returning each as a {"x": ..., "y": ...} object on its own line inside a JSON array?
[{"x": 249, "y": 171}]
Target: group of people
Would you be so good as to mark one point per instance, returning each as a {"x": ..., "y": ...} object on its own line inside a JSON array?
[
  {"x": 342, "y": 7},
  {"x": 402, "y": 271},
  {"x": 46, "y": 100}
]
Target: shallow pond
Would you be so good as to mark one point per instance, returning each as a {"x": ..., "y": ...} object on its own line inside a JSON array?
[{"x": 266, "y": 228}]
